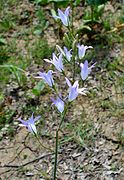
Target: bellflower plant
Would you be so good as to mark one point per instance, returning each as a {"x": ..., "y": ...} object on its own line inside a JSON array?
[
  {"x": 64, "y": 17},
  {"x": 47, "y": 77},
  {"x": 82, "y": 50},
  {"x": 73, "y": 57},
  {"x": 57, "y": 62},
  {"x": 30, "y": 123}
]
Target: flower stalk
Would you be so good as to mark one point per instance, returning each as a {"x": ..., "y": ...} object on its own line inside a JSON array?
[{"x": 57, "y": 140}]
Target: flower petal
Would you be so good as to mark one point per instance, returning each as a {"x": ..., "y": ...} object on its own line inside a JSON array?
[
  {"x": 73, "y": 93},
  {"x": 67, "y": 11},
  {"x": 49, "y": 61},
  {"x": 32, "y": 128},
  {"x": 82, "y": 91},
  {"x": 47, "y": 77},
  {"x": 23, "y": 122},
  {"x": 84, "y": 70},
  {"x": 63, "y": 17},
  {"x": 67, "y": 53},
  {"x": 37, "y": 118},
  {"x": 30, "y": 123},
  {"x": 82, "y": 50},
  {"x": 56, "y": 17},
  {"x": 76, "y": 84},
  {"x": 68, "y": 82},
  {"x": 59, "y": 103}
]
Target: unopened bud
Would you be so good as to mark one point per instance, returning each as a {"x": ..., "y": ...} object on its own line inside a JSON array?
[{"x": 66, "y": 39}]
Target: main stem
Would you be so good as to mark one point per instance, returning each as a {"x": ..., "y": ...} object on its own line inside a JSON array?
[
  {"x": 56, "y": 154},
  {"x": 57, "y": 142},
  {"x": 74, "y": 70},
  {"x": 72, "y": 17}
]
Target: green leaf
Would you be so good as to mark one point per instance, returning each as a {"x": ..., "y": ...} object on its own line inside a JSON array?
[
  {"x": 38, "y": 32},
  {"x": 2, "y": 41},
  {"x": 77, "y": 2},
  {"x": 95, "y": 2},
  {"x": 42, "y": 2},
  {"x": 38, "y": 88},
  {"x": 84, "y": 29},
  {"x": 53, "y": 12},
  {"x": 67, "y": 40}
]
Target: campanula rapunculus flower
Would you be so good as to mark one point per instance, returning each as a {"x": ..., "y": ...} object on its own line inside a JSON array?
[
  {"x": 30, "y": 123},
  {"x": 57, "y": 62},
  {"x": 82, "y": 50},
  {"x": 64, "y": 17},
  {"x": 85, "y": 70},
  {"x": 47, "y": 77},
  {"x": 74, "y": 90},
  {"x": 68, "y": 54},
  {"x": 59, "y": 103}
]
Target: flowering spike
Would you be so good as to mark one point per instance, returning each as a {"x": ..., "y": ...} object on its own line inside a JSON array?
[
  {"x": 47, "y": 77},
  {"x": 30, "y": 123}
]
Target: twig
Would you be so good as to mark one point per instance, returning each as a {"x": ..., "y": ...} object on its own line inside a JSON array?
[
  {"x": 29, "y": 162},
  {"x": 6, "y": 171}
]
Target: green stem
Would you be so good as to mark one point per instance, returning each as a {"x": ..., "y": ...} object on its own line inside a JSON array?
[
  {"x": 74, "y": 62},
  {"x": 63, "y": 116},
  {"x": 56, "y": 154},
  {"x": 72, "y": 16},
  {"x": 14, "y": 71},
  {"x": 74, "y": 70},
  {"x": 92, "y": 14},
  {"x": 71, "y": 33},
  {"x": 57, "y": 141}
]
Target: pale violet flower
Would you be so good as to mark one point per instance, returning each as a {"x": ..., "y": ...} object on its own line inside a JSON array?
[
  {"x": 30, "y": 123},
  {"x": 57, "y": 62},
  {"x": 63, "y": 16},
  {"x": 74, "y": 90},
  {"x": 59, "y": 103},
  {"x": 67, "y": 53},
  {"x": 82, "y": 50},
  {"x": 85, "y": 70},
  {"x": 47, "y": 77}
]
